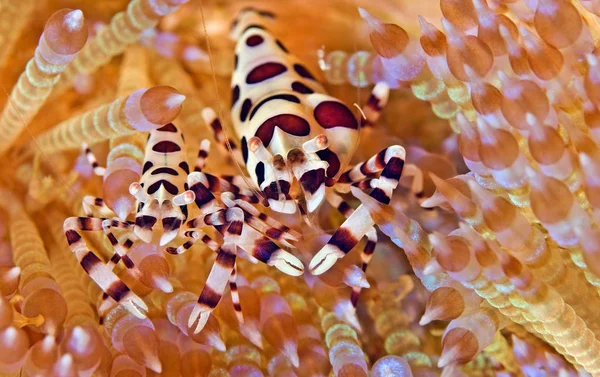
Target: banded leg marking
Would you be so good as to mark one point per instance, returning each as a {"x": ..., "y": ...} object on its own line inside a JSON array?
[
  {"x": 268, "y": 252},
  {"x": 390, "y": 162},
  {"x": 367, "y": 252},
  {"x": 202, "y": 155},
  {"x": 210, "y": 118},
  {"x": 93, "y": 205},
  {"x": 235, "y": 295},
  {"x": 291, "y": 234},
  {"x": 375, "y": 104},
  {"x": 261, "y": 222},
  {"x": 91, "y": 159},
  {"x": 192, "y": 237},
  {"x": 218, "y": 277},
  {"x": 240, "y": 188},
  {"x": 204, "y": 198},
  {"x": 251, "y": 241},
  {"x": 110, "y": 284},
  {"x": 121, "y": 248}
]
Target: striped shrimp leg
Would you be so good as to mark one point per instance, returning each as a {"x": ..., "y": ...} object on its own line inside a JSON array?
[
  {"x": 216, "y": 219},
  {"x": 375, "y": 104},
  {"x": 121, "y": 248},
  {"x": 390, "y": 162},
  {"x": 92, "y": 160},
  {"x": 205, "y": 200},
  {"x": 261, "y": 222},
  {"x": 192, "y": 236},
  {"x": 393, "y": 156},
  {"x": 92, "y": 204},
  {"x": 202, "y": 155},
  {"x": 210, "y": 118},
  {"x": 367, "y": 252},
  {"x": 219, "y": 221},
  {"x": 205, "y": 186},
  {"x": 255, "y": 244},
  {"x": 98, "y": 272},
  {"x": 279, "y": 234},
  {"x": 214, "y": 288},
  {"x": 265, "y": 250},
  {"x": 232, "y": 184},
  {"x": 240, "y": 188},
  {"x": 218, "y": 278},
  {"x": 235, "y": 296}
]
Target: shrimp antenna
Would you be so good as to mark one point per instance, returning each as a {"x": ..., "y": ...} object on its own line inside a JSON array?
[{"x": 220, "y": 110}]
